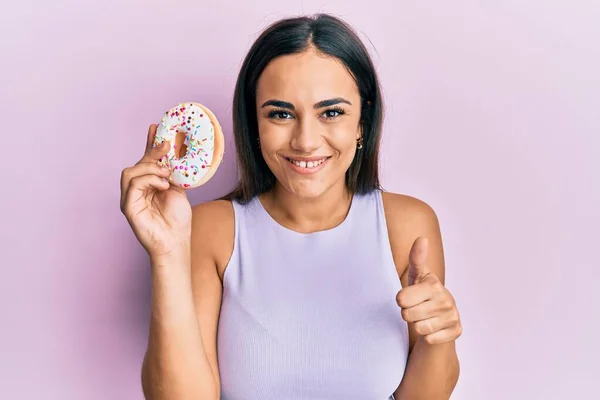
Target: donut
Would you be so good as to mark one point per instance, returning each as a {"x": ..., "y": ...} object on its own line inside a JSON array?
[{"x": 197, "y": 144}]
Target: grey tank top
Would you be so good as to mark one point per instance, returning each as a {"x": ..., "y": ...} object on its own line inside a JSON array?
[{"x": 311, "y": 316}]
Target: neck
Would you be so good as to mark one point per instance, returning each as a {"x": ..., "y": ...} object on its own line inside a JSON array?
[{"x": 308, "y": 215}]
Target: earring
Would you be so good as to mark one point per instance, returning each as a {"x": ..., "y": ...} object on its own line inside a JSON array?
[
  {"x": 359, "y": 143},
  {"x": 258, "y": 141}
]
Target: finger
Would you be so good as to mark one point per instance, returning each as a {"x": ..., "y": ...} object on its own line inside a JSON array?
[
  {"x": 149, "y": 181},
  {"x": 140, "y": 170},
  {"x": 425, "y": 310},
  {"x": 412, "y": 295},
  {"x": 444, "y": 335},
  {"x": 419, "y": 252},
  {"x": 156, "y": 153},
  {"x": 431, "y": 325},
  {"x": 140, "y": 184},
  {"x": 150, "y": 137},
  {"x": 139, "y": 187},
  {"x": 417, "y": 259}
]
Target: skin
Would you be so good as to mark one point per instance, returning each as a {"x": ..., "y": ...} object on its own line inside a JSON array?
[{"x": 310, "y": 203}]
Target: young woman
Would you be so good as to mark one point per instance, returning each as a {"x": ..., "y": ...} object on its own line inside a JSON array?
[{"x": 307, "y": 281}]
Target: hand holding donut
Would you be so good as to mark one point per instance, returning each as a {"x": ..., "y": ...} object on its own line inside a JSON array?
[
  {"x": 426, "y": 302},
  {"x": 158, "y": 212},
  {"x": 183, "y": 152}
]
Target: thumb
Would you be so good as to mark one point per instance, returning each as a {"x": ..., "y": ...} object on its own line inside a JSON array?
[{"x": 417, "y": 260}]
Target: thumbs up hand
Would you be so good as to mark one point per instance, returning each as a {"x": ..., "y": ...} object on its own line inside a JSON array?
[{"x": 426, "y": 302}]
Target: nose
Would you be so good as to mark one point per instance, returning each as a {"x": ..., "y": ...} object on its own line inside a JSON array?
[{"x": 306, "y": 137}]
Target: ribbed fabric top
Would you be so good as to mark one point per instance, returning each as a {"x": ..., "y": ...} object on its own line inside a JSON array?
[{"x": 311, "y": 316}]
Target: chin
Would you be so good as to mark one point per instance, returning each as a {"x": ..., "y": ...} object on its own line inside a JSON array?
[
  {"x": 309, "y": 188},
  {"x": 307, "y": 193}
]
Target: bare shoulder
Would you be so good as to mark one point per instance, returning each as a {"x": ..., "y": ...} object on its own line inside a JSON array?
[
  {"x": 212, "y": 242},
  {"x": 406, "y": 211},
  {"x": 213, "y": 231},
  {"x": 408, "y": 218}
]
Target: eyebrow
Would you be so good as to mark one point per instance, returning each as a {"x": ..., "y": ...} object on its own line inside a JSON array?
[
  {"x": 331, "y": 102},
  {"x": 320, "y": 104}
]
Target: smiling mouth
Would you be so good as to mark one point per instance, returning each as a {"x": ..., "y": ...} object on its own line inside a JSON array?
[{"x": 307, "y": 164}]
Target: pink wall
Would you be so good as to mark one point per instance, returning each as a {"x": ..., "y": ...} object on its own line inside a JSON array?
[{"x": 493, "y": 118}]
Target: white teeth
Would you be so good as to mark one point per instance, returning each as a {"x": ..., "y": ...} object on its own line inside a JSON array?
[{"x": 305, "y": 164}]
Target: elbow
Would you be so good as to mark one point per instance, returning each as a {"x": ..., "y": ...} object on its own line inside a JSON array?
[
  {"x": 144, "y": 379},
  {"x": 153, "y": 391},
  {"x": 452, "y": 380}
]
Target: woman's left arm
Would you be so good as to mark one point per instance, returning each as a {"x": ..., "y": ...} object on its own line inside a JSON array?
[
  {"x": 425, "y": 303},
  {"x": 431, "y": 372}
]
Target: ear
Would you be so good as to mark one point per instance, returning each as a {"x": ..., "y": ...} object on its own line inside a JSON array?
[{"x": 359, "y": 132}]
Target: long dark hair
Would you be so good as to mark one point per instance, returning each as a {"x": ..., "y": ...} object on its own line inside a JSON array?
[{"x": 331, "y": 36}]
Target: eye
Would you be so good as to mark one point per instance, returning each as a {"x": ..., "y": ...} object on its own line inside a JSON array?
[
  {"x": 280, "y": 114},
  {"x": 333, "y": 113}
]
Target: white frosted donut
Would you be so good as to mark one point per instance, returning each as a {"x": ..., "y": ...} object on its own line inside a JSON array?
[{"x": 195, "y": 128}]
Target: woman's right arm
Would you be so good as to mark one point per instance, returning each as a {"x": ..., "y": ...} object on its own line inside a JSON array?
[
  {"x": 181, "y": 361},
  {"x": 176, "y": 365}
]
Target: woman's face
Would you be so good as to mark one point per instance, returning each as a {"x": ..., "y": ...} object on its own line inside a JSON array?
[{"x": 308, "y": 110}]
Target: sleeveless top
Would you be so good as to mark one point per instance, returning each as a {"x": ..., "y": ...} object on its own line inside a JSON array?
[{"x": 311, "y": 316}]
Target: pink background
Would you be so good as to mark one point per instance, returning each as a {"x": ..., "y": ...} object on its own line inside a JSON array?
[{"x": 492, "y": 117}]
